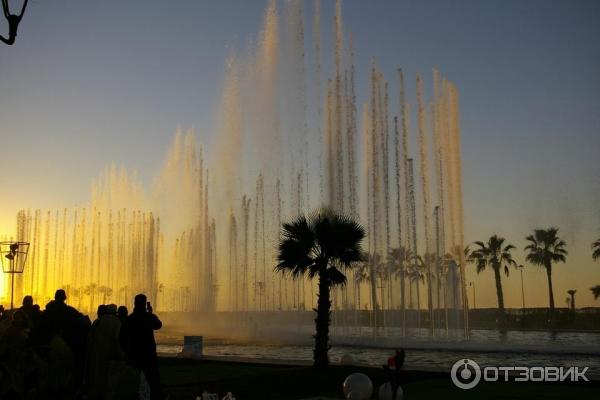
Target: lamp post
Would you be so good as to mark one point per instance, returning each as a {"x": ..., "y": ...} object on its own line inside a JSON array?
[{"x": 12, "y": 257}]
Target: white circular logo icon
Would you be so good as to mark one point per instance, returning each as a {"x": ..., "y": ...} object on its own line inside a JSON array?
[{"x": 465, "y": 374}]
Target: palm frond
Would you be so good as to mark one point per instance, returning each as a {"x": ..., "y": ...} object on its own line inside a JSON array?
[
  {"x": 596, "y": 291},
  {"x": 508, "y": 248},
  {"x": 323, "y": 240},
  {"x": 296, "y": 248},
  {"x": 480, "y": 244},
  {"x": 545, "y": 247},
  {"x": 596, "y": 249},
  {"x": 336, "y": 277},
  {"x": 481, "y": 264}
]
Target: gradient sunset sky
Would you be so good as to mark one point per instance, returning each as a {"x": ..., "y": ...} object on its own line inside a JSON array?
[{"x": 92, "y": 82}]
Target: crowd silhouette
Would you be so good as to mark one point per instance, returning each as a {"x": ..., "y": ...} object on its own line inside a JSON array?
[{"x": 59, "y": 353}]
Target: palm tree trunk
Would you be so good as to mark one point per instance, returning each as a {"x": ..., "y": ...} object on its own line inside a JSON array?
[
  {"x": 438, "y": 301},
  {"x": 446, "y": 305},
  {"x": 356, "y": 296},
  {"x": 550, "y": 291},
  {"x": 501, "y": 314},
  {"x": 373, "y": 282},
  {"x": 430, "y": 300},
  {"x": 321, "y": 360},
  {"x": 573, "y": 302},
  {"x": 402, "y": 304},
  {"x": 418, "y": 306}
]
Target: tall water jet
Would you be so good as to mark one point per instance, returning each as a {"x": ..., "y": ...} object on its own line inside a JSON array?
[
  {"x": 229, "y": 156},
  {"x": 386, "y": 191},
  {"x": 233, "y": 263},
  {"x": 409, "y": 232},
  {"x": 339, "y": 200},
  {"x": 375, "y": 192},
  {"x": 260, "y": 267},
  {"x": 350, "y": 104},
  {"x": 319, "y": 106},
  {"x": 413, "y": 229},
  {"x": 458, "y": 199},
  {"x": 398, "y": 184},
  {"x": 424, "y": 168},
  {"x": 245, "y": 267},
  {"x": 295, "y": 123}
]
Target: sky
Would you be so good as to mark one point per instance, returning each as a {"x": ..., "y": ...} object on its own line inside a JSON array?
[{"x": 88, "y": 83}]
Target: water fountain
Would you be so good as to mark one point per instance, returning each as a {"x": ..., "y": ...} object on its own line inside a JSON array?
[{"x": 277, "y": 154}]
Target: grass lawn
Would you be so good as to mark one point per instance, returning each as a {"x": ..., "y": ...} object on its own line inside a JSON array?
[{"x": 185, "y": 379}]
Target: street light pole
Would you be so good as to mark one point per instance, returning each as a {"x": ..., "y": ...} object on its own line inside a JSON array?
[{"x": 16, "y": 254}]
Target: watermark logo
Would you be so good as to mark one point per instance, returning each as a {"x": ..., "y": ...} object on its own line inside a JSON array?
[{"x": 466, "y": 374}]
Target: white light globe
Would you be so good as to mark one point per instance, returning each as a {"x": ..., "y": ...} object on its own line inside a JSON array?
[
  {"x": 385, "y": 392},
  {"x": 358, "y": 386}
]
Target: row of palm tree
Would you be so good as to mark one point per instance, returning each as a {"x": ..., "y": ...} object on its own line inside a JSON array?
[
  {"x": 545, "y": 248},
  {"x": 596, "y": 256},
  {"x": 325, "y": 244}
]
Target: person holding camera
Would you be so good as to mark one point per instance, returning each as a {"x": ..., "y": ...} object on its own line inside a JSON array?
[{"x": 141, "y": 346}]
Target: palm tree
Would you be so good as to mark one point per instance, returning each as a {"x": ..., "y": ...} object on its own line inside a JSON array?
[
  {"x": 106, "y": 292},
  {"x": 572, "y": 300},
  {"x": 596, "y": 249},
  {"x": 497, "y": 255},
  {"x": 545, "y": 248},
  {"x": 361, "y": 274},
  {"x": 373, "y": 283},
  {"x": 366, "y": 272},
  {"x": 428, "y": 260},
  {"x": 596, "y": 255},
  {"x": 416, "y": 273},
  {"x": 381, "y": 271},
  {"x": 320, "y": 246},
  {"x": 399, "y": 259}
]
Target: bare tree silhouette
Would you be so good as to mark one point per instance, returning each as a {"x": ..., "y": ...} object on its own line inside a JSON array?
[{"x": 13, "y": 22}]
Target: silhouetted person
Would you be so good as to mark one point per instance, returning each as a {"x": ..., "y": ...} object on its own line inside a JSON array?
[
  {"x": 15, "y": 337},
  {"x": 123, "y": 313},
  {"x": 19, "y": 364},
  {"x": 141, "y": 325},
  {"x": 18, "y": 326},
  {"x": 31, "y": 311},
  {"x": 65, "y": 321},
  {"x": 61, "y": 317},
  {"x": 392, "y": 368},
  {"x": 99, "y": 313},
  {"x": 103, "y": 350},
  {"x": 27, "y": 301}
]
